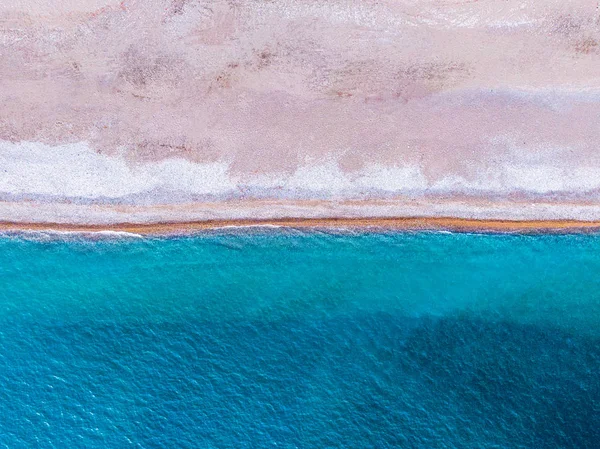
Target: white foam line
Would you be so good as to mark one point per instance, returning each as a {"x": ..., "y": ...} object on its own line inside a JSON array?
[
  {"x": 109, "y": 233},
  {"x": 266, "y": 225},
  {"x": 57, "y": 234}
]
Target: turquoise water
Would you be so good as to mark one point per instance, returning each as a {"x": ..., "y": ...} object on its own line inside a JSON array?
[{"x": 278, "y": 338}]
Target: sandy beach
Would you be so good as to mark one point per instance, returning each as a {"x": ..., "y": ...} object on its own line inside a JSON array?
[
  {"x": 194, "y": 112},
  {"x": 469, "y": 215},
  {"x": 363, "y": 223},
  {"x": 399, "y": 224}
]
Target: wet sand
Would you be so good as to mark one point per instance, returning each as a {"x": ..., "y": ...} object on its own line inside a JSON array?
[{"x": 390, "y": 223}]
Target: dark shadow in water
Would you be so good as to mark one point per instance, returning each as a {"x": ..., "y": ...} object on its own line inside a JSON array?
[{"x": 360, "y": 380}]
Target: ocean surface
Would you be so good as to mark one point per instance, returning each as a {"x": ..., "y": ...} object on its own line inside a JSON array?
[{"x": 286, "y": 339}]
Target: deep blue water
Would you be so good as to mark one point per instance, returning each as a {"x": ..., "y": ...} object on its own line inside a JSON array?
[{"x": 301, "y": 340}]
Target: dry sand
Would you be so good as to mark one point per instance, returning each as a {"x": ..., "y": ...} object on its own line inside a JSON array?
[{"x": 155, "y": 102}]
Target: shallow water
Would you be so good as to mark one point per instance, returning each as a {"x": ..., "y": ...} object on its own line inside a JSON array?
[{"x": 279, "y": 338}]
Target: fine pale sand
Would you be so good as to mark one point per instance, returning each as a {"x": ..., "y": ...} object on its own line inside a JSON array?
[
  {"x": 184, "y": 115},
  {"x": 299, "y": 99},
  {"x": 407, "y": 223}
]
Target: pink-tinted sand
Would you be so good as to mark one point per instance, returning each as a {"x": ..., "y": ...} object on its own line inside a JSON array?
[{"x": 479, "y": 106}]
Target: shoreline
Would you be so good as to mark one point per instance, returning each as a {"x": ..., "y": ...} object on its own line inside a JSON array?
[{"x": 384, "y": 223}]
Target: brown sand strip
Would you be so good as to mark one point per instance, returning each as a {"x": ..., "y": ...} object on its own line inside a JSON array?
[{"x": 397, "y": 223}]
